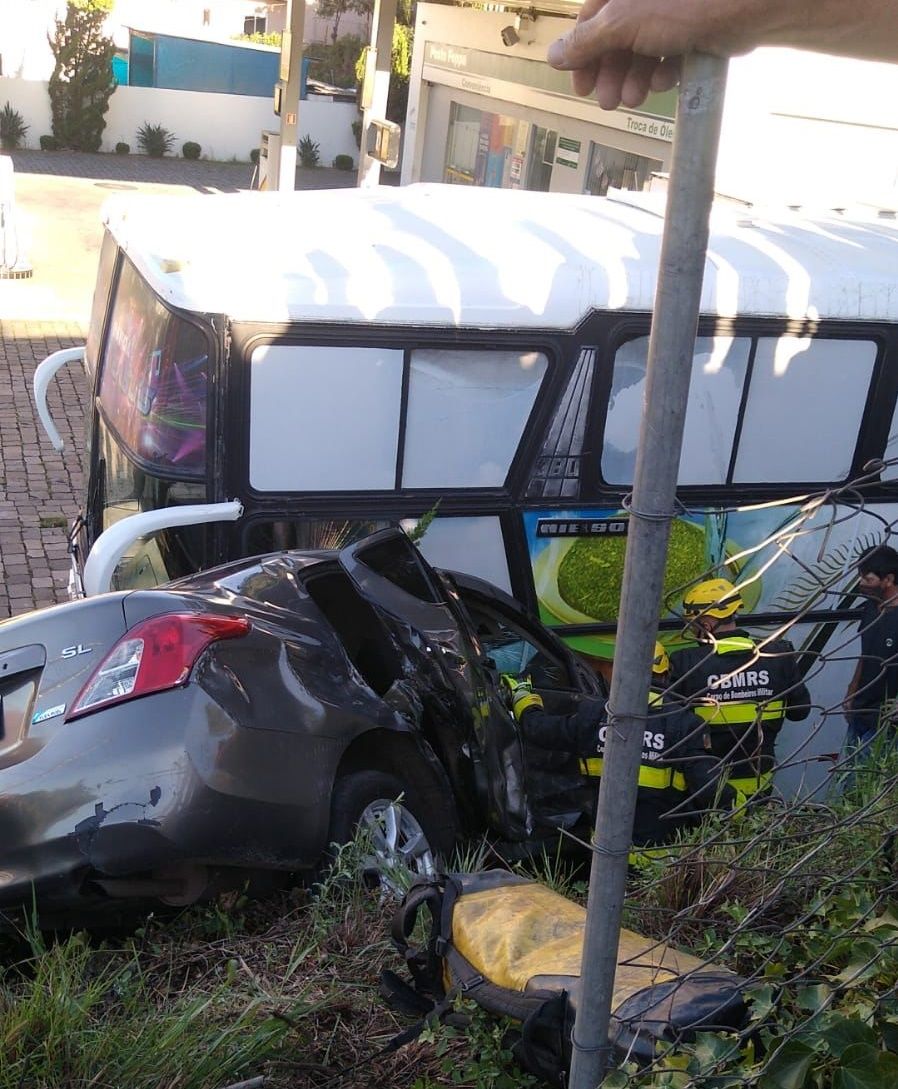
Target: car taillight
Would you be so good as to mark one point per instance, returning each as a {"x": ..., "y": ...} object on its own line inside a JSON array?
[{"x": 153, "y": 656}]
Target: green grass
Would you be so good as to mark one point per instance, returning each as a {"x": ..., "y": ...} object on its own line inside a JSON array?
[
  {"x": 284, "y": 989},
  {"x": 800, "y": 897},
  {"x": 73, "y": 1013}
]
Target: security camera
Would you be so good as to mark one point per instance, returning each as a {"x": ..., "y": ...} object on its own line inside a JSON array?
[{"x": 509, "y": 36}]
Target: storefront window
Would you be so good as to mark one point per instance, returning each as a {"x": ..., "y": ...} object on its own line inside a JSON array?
[
  {"x": 609, "y": 167},
  {"x": 485, "y": 149},
  {"x": 541, "y": 159}
]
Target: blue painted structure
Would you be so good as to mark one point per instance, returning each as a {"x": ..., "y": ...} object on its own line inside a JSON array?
[{"x": 189, "y": 64}]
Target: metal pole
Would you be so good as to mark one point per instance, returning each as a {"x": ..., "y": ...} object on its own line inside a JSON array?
[
  {"x": 377, "y": 84},
  {"x": 291, "y": 74},
  {"x": 671, "y": 346}
]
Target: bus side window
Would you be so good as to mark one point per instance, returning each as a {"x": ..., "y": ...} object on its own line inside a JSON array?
[
  {"x": 719, "y": 367},
  {"x": 801, "y": 409},
  {"x": 803, "y": 414}
]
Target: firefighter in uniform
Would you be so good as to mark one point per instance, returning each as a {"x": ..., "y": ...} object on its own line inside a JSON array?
[
  {"x": 679, "y": 777},
  {"x": 741, "y": 688}
]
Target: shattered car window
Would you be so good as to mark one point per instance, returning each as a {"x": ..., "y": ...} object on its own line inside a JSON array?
[
  {"x": 398, "y": 561},
  {"x": 512, "y": 649}
]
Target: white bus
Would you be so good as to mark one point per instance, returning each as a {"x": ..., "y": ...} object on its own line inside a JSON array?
[{"x": 277, "y": 370}]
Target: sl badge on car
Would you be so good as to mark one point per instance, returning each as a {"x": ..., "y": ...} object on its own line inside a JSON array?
[{"x": 73, "y": 652}]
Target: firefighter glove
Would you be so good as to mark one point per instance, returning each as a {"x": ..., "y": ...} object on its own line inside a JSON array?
[{"x": 519, "y": 695}]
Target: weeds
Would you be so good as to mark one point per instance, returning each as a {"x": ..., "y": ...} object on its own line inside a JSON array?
[
  {"x": 75, "y": 1013},
  {"x": 477, "y": 1054},
  {"x": 801, "y": 900},
  {"x": 53, "y": 521},
  {"x": 285, "y": 988}
]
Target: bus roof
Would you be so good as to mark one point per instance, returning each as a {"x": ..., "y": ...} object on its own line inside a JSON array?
[{"x": 437, "y": 255}]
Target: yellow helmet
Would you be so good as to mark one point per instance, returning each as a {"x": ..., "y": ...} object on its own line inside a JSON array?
[
  {"x": 660, "y": 663},
  {"x": 713, "y": 597}
]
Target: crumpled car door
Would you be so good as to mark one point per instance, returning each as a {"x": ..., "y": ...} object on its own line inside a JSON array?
[{"x": 443, "y": 663}]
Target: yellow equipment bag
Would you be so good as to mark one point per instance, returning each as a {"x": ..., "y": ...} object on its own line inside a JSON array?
[{"x": 514, "y": 947}]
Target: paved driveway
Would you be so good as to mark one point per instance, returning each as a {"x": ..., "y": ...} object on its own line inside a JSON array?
[{"x": 58, "y": 200}]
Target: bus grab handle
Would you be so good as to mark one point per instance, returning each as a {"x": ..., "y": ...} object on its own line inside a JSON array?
[
  {"x": 114, "y": 542},
  {"x": 42, "y": 378}
]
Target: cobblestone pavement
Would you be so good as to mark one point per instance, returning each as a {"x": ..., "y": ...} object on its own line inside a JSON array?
[
  {"x": 39, "y": 488},
  {"x": 197, "y": 174}
]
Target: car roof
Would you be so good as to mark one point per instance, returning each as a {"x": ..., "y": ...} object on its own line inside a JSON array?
[{"x": 438, "y": 255}]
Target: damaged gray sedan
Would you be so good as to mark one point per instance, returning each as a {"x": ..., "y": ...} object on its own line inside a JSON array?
[{"x": 164, "y": 744}]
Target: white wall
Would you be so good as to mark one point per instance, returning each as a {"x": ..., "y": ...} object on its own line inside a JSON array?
[
  {"x": 30, "y": 98},
  {"x": 810, "y": 129},
  {"x": 225, "y": 126}
]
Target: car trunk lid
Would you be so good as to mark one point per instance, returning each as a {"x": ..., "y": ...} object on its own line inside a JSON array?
[{"x": 45, "y": 658}]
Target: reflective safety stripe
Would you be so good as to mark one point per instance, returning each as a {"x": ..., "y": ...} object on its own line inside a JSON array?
[
  {"x": 523, "y": 702},
  {"x": 752, "y": 784},
  {"x": 726, "y": 714},
  {"x": 731, "y": 644},
  {"x": 653, "y": 778}
]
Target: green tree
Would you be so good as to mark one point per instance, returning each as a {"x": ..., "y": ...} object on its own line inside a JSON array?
[
  {"x": 336, "y": 9},
  {"x": 82, "y": 82},
  {"x": 400, "y": 61},
  {"x": 334, "y": 62}
]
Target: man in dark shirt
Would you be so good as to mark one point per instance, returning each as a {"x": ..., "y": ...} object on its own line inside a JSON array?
[{"x": 870, "y": 698}]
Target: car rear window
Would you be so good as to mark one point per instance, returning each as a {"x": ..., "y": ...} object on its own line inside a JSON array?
[{"x": 397, "y": 561}]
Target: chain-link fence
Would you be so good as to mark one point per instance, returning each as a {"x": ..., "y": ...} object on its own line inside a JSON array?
[{"x": 794, "y": 889}]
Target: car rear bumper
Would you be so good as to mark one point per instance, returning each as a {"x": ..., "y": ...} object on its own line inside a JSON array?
[{"x": 177, "y": 778}]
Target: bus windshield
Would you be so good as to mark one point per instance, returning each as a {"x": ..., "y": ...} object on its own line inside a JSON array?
[{"x": 153, "y": 381}]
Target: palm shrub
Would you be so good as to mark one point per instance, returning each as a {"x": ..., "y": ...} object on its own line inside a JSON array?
[
  {"x": 12, "y": 127},
  {"x": 155, "y": 140},
  {"x": 309, "y": 151},
  {"x": 81, "y": 83}
]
